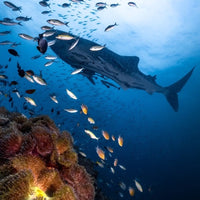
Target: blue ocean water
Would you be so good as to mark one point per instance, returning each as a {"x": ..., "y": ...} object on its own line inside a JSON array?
[{"x": 161, "y": 147}]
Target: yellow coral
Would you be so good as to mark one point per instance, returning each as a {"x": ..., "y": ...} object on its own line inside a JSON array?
[{"x": 37, "y": 194}]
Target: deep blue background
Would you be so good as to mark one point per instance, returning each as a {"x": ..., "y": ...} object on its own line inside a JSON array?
[{"x": 161, "y": 147}]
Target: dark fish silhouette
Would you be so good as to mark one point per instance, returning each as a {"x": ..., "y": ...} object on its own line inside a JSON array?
[
  {"x": 65, "y": 5},
  {"x": 5, "y": 32},
  {"x": 42, "y": 44},
  {"x": 31, "y": 91},
  {"x": 12, "y": 6},
  {"x": 25, "y": 19},
  {"x": 13, "y": 83},
  {"x": 121, "y": 69},
  {"x": 21, "y": 72},
  {"x": 13, "y": 52}
]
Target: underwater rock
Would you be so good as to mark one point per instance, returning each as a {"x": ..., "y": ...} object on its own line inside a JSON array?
[{"x": 38, "y": 162}]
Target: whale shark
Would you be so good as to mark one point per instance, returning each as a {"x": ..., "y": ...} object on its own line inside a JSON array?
[{"x": 123, "y": 70}]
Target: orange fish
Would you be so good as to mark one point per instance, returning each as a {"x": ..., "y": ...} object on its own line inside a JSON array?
[
  {"x": 131, "y": 191},
  {"x": 100, "y": 153},
  {"x": 113, "y": 137},
  {"x": 84, "y": 109},
  {"x": 105, "y": 135},
  {"x": 91, "y": 121},
  {"x": 115, "y": 162},
  {"x": 120, "y": 141},
  {"x": 109, "y": 149}
]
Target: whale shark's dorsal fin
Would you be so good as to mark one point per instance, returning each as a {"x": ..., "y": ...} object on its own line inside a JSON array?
[{"x": 130, "y": 63}]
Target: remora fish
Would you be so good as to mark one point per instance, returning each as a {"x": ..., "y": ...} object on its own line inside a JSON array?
[
  {"x": 10, "y": 23},
  {"x": 12, "y": 6},
  {"x": 121, "y": 69}
]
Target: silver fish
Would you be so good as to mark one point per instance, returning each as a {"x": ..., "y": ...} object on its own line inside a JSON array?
[
  {"x": 31, "y": 101},
  {"x": 21, "y": 18},
  {"x": 39, "y": 80},
  {"x": 46, "y": 12},
  {"x": 110, "y": 27},
  {"x": 49, "y": 33},
  {"x": 46, "y": 28},
  {"x": 12, "y": 6},
  {"x": 57, "y": 22},
  {"x": 77, "y": 71},
  {"x": 44, "y": 4},
  {"x": 114, "y": 5},
  {"x": 52, "y": 42},
  {"x": 25, "y": 36},
  {"x": 71, "y": 110},
  {"x": 97, "y": 48},
  {"x": 6, "y": 42},
  {"x": 36, "y": 57},
  {"x": 50, "y": 57},
  {"x": 65, "y": 5},
  {"x": 49, "y": 63},
  {"x": 5, "y": 32},
  {"x": 132, "y": 4},
  {"x": 100, "y": 4},
  {"x": 53, "y": 98},
  {"x": 10, "y": 23},
  {"x": 73, "y": 44},
  {"x": 15, "y": 44},
  {"x": 28, "y": 78}
]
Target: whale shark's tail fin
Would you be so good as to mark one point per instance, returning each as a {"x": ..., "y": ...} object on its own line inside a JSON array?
[{"x": 171, "y": 91}]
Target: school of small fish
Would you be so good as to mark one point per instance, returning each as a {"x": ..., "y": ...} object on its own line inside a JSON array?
[{"x": 105, "y": 154}]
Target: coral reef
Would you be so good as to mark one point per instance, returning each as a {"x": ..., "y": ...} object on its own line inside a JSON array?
[{"x": 39, "y": 162}]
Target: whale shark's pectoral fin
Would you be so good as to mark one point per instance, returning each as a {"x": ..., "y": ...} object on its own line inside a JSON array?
[
  {"x": 89, "y": 74},
  {"x": 130, "y": 63}
]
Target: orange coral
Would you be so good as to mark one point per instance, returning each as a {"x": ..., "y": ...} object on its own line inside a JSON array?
[
  {"x": 68, "y": 158},
  {"x": 79, "y": 179},
  {"x": 16, "y": 186},
  {"x": 65, "y": 193},
  {"x": 49, "y": 180},
  {"x": 10, "y": 144},
  {"x": 64, "y": 142},
  {"x": 30, "y": 162},
  {"x": 37, "y": 161},
  {"x": 43, "y": 140}
]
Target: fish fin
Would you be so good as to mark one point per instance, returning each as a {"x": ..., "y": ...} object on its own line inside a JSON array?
[
  {"x": 152, "y": 78},
  {"x": 38, "y": 48},
  {"x": 171, "y": 91},
  {"x": 91, "y": 79},
  {"x": 19, "y": 23},
  {"x": 40, "y": 36}
]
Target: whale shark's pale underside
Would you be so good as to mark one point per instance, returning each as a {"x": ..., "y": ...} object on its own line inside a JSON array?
[{"x": 121, "y": 69}]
